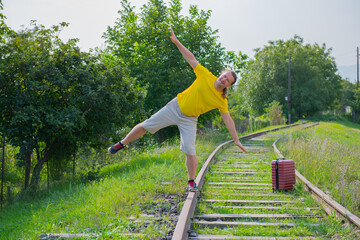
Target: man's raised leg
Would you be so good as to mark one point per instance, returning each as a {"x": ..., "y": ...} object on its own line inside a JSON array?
[{"x": 137, "y": 132}]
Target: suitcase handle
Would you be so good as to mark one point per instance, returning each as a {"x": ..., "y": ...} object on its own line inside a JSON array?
[{"x": 277, "y": 173}]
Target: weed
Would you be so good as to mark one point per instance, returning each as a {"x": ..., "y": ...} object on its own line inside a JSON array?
[
  {"x": 103, "y": 199},
  {"x": 329, "y": 157}
]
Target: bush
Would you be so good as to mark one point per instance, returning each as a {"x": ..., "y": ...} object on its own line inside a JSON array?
[
  {"x": 327, "y": 117},
  {"x": 91, "y": 175},
  {"x": 258, "y": 123},
  {"x": 275, "y": 113}
]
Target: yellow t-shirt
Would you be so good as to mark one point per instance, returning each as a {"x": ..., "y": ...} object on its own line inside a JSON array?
[{"x": 201, "y": 96}]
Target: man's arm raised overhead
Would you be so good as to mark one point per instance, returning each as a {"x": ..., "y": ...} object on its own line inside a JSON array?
[{"x": 189, "y": 57}]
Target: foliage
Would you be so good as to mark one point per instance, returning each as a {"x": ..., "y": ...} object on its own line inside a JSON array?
[
  {"x": 256, "y": 123},
  {"x": 273, "y": 116},
  {"x": 237, "y": 62},
  {"x": 127, "y": 188},
  {"x": 347, "y": 93},
  {"x": 275, "y": 113},
  {"x": 328, "y": 156},
  {"x": 355, "y": 105},
  {"x": 327, "y": 117},
  {"x": 141, "y": 40},
  {"x": 350, "y": 96},
  {"x": 56, "y": 98},
  {"x": 4, "y": 29},
  {"x": 242, "y": 124},
  {"x": 314, "y": 82}
]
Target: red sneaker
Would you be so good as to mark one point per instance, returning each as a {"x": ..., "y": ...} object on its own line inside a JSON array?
[{"x": 115, "y": 148}]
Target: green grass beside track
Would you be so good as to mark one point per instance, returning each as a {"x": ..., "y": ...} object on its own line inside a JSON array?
[
  {"x": 301, "y": 203},
  {"x": 130, "y": 187},
  {"x": 328, "y": 155}
]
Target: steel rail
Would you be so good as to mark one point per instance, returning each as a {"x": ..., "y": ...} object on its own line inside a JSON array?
[
  {"x": 182, "y": 227},
  {"x": 330, "y": 205}
]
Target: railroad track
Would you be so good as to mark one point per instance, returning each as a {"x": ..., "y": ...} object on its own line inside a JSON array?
[{"x": 236, "y": 200}]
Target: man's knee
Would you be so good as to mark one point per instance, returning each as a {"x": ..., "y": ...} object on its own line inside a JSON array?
[
  {"x": 191, "y": 157},
  {"x": 140, "y": 127}
]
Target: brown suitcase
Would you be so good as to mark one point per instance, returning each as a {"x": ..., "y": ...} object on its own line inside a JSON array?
[{"x": 283, "y": 174}]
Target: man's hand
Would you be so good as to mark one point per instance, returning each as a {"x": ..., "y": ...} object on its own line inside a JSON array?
[
  {"x": 173, "y": 37},
  {"x": 238, "y": 143}
]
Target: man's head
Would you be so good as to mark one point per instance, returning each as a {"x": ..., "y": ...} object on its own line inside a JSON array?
[{"x": 226, "y": 80}]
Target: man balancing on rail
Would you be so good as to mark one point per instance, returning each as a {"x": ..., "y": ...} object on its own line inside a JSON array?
[{"x": 207, "y": 92}]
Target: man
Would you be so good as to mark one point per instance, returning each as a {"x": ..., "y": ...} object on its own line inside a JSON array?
[{"x": 206, "y": 93}]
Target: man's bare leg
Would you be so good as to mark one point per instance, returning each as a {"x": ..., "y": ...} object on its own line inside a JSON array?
[
  {"x": 137, "y": 132},
  {"x": 191, "y": 165}
]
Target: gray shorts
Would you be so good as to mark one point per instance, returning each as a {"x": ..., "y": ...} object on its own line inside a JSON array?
[{"x": 172, "y": 115}]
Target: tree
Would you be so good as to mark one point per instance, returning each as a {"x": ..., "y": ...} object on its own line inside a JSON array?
[
  {"x": 350, "y": 96},
  {"x": 354, "y": 103},
  {"x": 56, "y": 98},
  {"x": 347, "y": 94},
  {"x": 275, "y": 113},
  {"x": 4, "y": 29},
  {"x": 314, "y": 82},
  {"x": 142, "y": 42}
]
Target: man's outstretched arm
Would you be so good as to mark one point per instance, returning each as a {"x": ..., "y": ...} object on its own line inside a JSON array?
[
  {"x": 189, "y": 57},
  {"x": 229, "y": 123}
]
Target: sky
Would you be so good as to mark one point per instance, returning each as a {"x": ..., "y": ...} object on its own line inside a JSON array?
[{"x": 243, "y": 25}]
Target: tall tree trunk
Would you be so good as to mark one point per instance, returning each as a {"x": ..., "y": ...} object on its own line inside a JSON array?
[
  {"x": 39, "y": 165},
  {"x": 27, "y": 168},
  {"x": 353, "y": 115},
  {"x": 74, "y": 164},
  {"x": 2, "y": 170}
]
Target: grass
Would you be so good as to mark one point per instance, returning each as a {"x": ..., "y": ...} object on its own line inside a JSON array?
[
  {"x": 129, "y": 188},
  {"x": 132, "y": 187},
  {"x": 328, "y": 155},
  {"x": 303, "y": 203}
]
